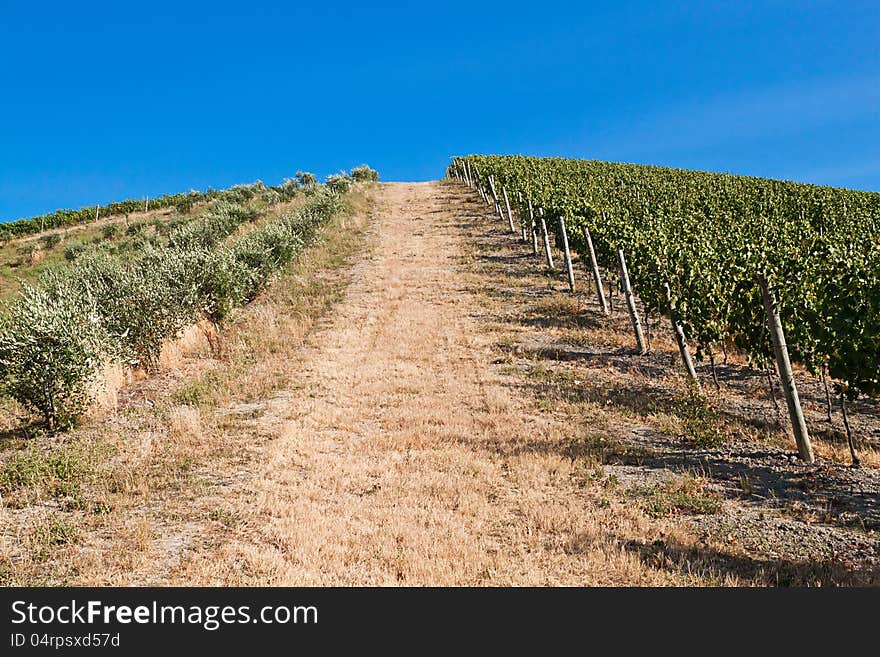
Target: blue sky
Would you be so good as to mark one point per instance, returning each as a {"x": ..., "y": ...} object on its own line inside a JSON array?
[{"x": 105, "y": 101}]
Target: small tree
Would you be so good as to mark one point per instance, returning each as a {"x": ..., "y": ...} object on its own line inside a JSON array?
[
  {"x": 50, "y": 352},
  {"x": 364, "y": 173},
  {"x": 339, "y": 182},
  {"x": 306, "y": 179}
]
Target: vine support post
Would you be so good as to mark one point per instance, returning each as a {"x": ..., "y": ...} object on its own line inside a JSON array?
[
  {"x": 97, "y": 211},
  {"x": 631, "y": 303},
  {"x": 522, "y": 220},
  {"x": 597, "y": 278},
  {"x": 545, "y": 235},
  {"x": 680, "y": 339},
  {"x": 714, "y": 371},
  {"x": 533, "y": 227},
  {"x": 567, "y": 253},
  {"x": 777, "y": 336},
  {"x": 495, "y": 196},
  {"x": 849, "y": 437},
  {"x": 507, "y": 206}
]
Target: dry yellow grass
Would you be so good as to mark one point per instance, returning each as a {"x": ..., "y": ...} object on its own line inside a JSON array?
[{"x": 401, "y": 456}]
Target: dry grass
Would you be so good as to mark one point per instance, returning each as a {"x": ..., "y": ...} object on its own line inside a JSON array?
[
  {"x": 148, "y": 478},
  {"x": 403, "y": 457}
]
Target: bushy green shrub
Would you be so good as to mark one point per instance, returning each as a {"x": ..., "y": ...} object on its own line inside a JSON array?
[
  {"x": 364, "y": 173},
  {"x": 339, "y": 182},
  {"x": 109, "y": 231},
  {"x": 140, "y": 304},
  {"x": 51, "y": 347},
  {"x": 306, "y": 179},
  {"x": 289, "y": 188},
  {"x": 213, "y": 227},
  {"x": 187, "y": 202},
  {"x": 74, "y": 251},
  {"x": 135, "y": 228},
  {"x": 50, "y": 241}
]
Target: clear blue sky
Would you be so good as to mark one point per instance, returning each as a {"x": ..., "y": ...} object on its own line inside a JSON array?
[{"x": 104, "y": 101}]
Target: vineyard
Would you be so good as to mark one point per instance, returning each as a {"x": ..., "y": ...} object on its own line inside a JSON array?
[
  {"x": 781, "y": 272},
  {"x": 121, "y": 302}
]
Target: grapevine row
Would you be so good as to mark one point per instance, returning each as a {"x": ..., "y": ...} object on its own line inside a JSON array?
[{"x": 699, "y": 247}]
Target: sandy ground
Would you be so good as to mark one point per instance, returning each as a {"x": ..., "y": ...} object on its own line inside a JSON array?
[{"x": 394, "y": 463}]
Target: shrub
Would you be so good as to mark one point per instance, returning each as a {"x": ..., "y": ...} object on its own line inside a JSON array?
[
  {"x": 50, "y": 350},
  {"x": 364, "y": 173},
  {"x": 50, "y": 241},
  {"x": 187, "y": 202},
  {"x": 306, "y": 179},
  {"x": 109, "y": 231},
  {"x": 213, "y": 227},
  {"x": 289, "y": 188},
  {"x": 135, "y": 228},
  {"x": 74, "y": 251},
  {"x": 221, "y": 283},
  {"x": 339, "y": 182}
]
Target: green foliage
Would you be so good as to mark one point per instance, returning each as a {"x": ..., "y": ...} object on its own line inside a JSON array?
[
  {"x": 289, "y": 189},
  {"x": 57, "y": 470},
  {"x": 56, "y": 336},
  {"x": 708, "y": 236},
  {"x": 213, "y": 227},
  {"x": 339, "y": 182},
  {"x": 700, "y": 420},
  {"x": 50, "y": 241},
  {"x": 187, "y": 202},
  {"x": 135, "y": 228},
  {"x": 306, "y": 179},
  {"x": 51, "y": 347},
  {"x": 74, "y": 251},
  {"x": 364, "y": 173},
  {"x": 684, "y": 495}
]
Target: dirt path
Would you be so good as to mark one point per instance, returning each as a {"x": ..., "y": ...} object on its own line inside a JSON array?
[{"x": 405, "y": 457}]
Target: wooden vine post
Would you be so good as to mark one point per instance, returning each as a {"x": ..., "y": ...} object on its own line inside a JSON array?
[
  {"x": 495, "y": 196},
  {"x": 546, "y": 237},
  {"x": 789, "y": 389},
  {"x": 522, "y": 220},
  {"x": 680, "y": 339},
  {"x": 849, "y": 436},
  {"x": 533, "y": 229},
  {"x": 597, "y": 278},
  {"x": 567, "y": 253},
  {"x": 631, "y": 303},
  {"x": 507, "y": 206}
]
